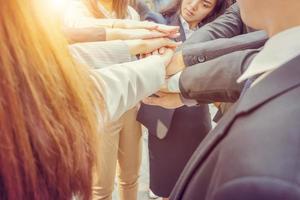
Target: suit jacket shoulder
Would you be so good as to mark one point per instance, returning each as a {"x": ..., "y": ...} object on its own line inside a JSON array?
[{"x": 253, "y": 153}]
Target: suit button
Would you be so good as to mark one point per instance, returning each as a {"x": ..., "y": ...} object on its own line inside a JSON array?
[{"x": 201, "y": 59}]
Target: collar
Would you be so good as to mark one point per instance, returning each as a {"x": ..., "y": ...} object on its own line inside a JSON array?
[
  {"x": 280, "y": 48},
  {"x": 186, "y": 27}
]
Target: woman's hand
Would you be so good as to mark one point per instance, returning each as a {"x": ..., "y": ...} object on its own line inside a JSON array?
[
  {"x": 131, "y": 34},
  {"x": 137, "y": 47},
  {"x": 134, "y": 24}
]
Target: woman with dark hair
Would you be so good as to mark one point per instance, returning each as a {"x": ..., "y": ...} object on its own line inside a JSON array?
[{"x": 175, "y": 134}]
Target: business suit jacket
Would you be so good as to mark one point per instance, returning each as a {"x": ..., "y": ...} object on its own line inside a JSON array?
[
  {"x": 253, "y": 153},
  {"x": 205, "y": 48}
]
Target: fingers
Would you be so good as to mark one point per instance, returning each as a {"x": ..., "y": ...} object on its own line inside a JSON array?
[
  {"x": 167, "y": 29},
  {"x": 162, "y": 50}
]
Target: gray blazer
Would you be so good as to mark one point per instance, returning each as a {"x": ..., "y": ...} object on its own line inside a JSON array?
[
  {"x": 227, "y": 25},
  {"x": 253, "y": 153},
  {"x": 212, "y": 75}
]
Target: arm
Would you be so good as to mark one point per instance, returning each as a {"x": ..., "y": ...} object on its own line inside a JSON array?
[
  {"x": 215, "y": 80},
  {"x": 201, "y": 52},
  {"x": 100, "y": 54},
  {"x": 89, "y": 34},
  {"x": 126, "y": 84},
  {"x": 227, "y": 25},
  {"x": 212, "y": 81}
]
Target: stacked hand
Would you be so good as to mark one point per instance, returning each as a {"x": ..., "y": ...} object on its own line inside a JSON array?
[
  {"x": 134, "y": 24},
  {"x": 149, "y": 46}
]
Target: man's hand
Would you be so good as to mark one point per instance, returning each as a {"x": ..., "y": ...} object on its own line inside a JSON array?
[
  {"x": 165, "y": 100},
  {"x": 176, "y": 64}
]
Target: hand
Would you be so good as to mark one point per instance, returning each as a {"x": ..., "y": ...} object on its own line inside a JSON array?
[
  {"x": 176, "y": 64},
  {"x": 166, "y": 54},
  {"x": 131, "y": 34},
  {"x": 165, "y": 100},
  {"x": 148, "y": 46},
  {"x": 134, "y": 24}
]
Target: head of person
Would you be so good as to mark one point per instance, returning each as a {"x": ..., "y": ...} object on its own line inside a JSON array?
[
  {"x": 197, "y": 11},
  {"x": 278, "y": 16},
  {"x": 48, "y": 123},
  {"x": 120, "y": 7}
]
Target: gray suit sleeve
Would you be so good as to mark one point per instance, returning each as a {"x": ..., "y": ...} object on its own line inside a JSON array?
[
  {"x": 205, "y": 51},
  {"x": 215, "y": 80},
  {"x": 227, "y": 25}
]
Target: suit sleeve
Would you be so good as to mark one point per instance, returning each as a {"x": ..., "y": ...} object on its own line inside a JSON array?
[
  {"x": 124, "y": 85},
  {"x": 225, "y": 26},
  {"x": 205, "y": 51},
  {"x": 215, "y": 80}
]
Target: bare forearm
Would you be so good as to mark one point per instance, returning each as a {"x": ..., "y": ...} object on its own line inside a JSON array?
[{"x": 91, "y": 34}]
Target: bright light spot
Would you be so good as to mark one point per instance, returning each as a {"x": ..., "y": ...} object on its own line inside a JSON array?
[{"x": 59, "y": 5}]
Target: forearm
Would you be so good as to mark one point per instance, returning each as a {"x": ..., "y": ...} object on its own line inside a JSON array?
[
  {"x": 215, "y": 80},
  {"x": 226, "y": 26},
  {"x": 202, "y": 52},
  {"x": 101, "y": 54},
  {"x": 90, "y": 34},
  {"x": 126, "y": 84}
]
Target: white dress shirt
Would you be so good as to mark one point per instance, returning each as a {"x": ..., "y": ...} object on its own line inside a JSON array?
[{"x": 280, "y": 49}]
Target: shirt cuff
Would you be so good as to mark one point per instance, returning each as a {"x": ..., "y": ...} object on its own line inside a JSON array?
[
  {"x": 173, "y": 83},
  {"x": 188, "y": 102}
]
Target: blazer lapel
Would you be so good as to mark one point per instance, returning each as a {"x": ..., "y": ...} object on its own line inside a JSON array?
[
  {"x": 175, "y": 21},
  {"x": 278, "y": 82}
]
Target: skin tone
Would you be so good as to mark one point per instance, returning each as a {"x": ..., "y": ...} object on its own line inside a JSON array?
[
  {"x": 194, "y": 11},
  {"x": 279, "y": 16}
]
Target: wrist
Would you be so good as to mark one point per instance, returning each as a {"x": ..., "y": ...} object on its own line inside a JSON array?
[
  {"x": 112, "y": 34},
  {"x": 134, "y": 46}
]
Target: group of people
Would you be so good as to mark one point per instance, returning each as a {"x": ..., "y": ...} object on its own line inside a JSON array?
[{"x": 72, "y": 84}]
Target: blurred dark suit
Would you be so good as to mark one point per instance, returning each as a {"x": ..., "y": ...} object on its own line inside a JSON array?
[{"x": 253, "y": 153}]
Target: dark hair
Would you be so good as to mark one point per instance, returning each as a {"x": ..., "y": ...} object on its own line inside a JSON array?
[{"x": 220, "y": 7}]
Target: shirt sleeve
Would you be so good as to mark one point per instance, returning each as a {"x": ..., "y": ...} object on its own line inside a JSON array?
[
  {"x": 124, "y": 85},
  {"x": 101, "y": 54},
  {"x": 173, "y": 83}
]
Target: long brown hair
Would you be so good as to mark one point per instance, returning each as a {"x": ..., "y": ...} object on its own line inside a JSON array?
[
  {"x": 48, "y": 119},
  {"x": 120, "y": 7}
]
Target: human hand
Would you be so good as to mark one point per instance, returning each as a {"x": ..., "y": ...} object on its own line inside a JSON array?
[
  {"x": 135, "y": 24},
  {"x": 131, "y": 34},
  {"x": 148, "y": 46},
  {"x": 176, "y": 64},
  {"x": 165, "y": 100},
  {"x": 166, "y": 54}
]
